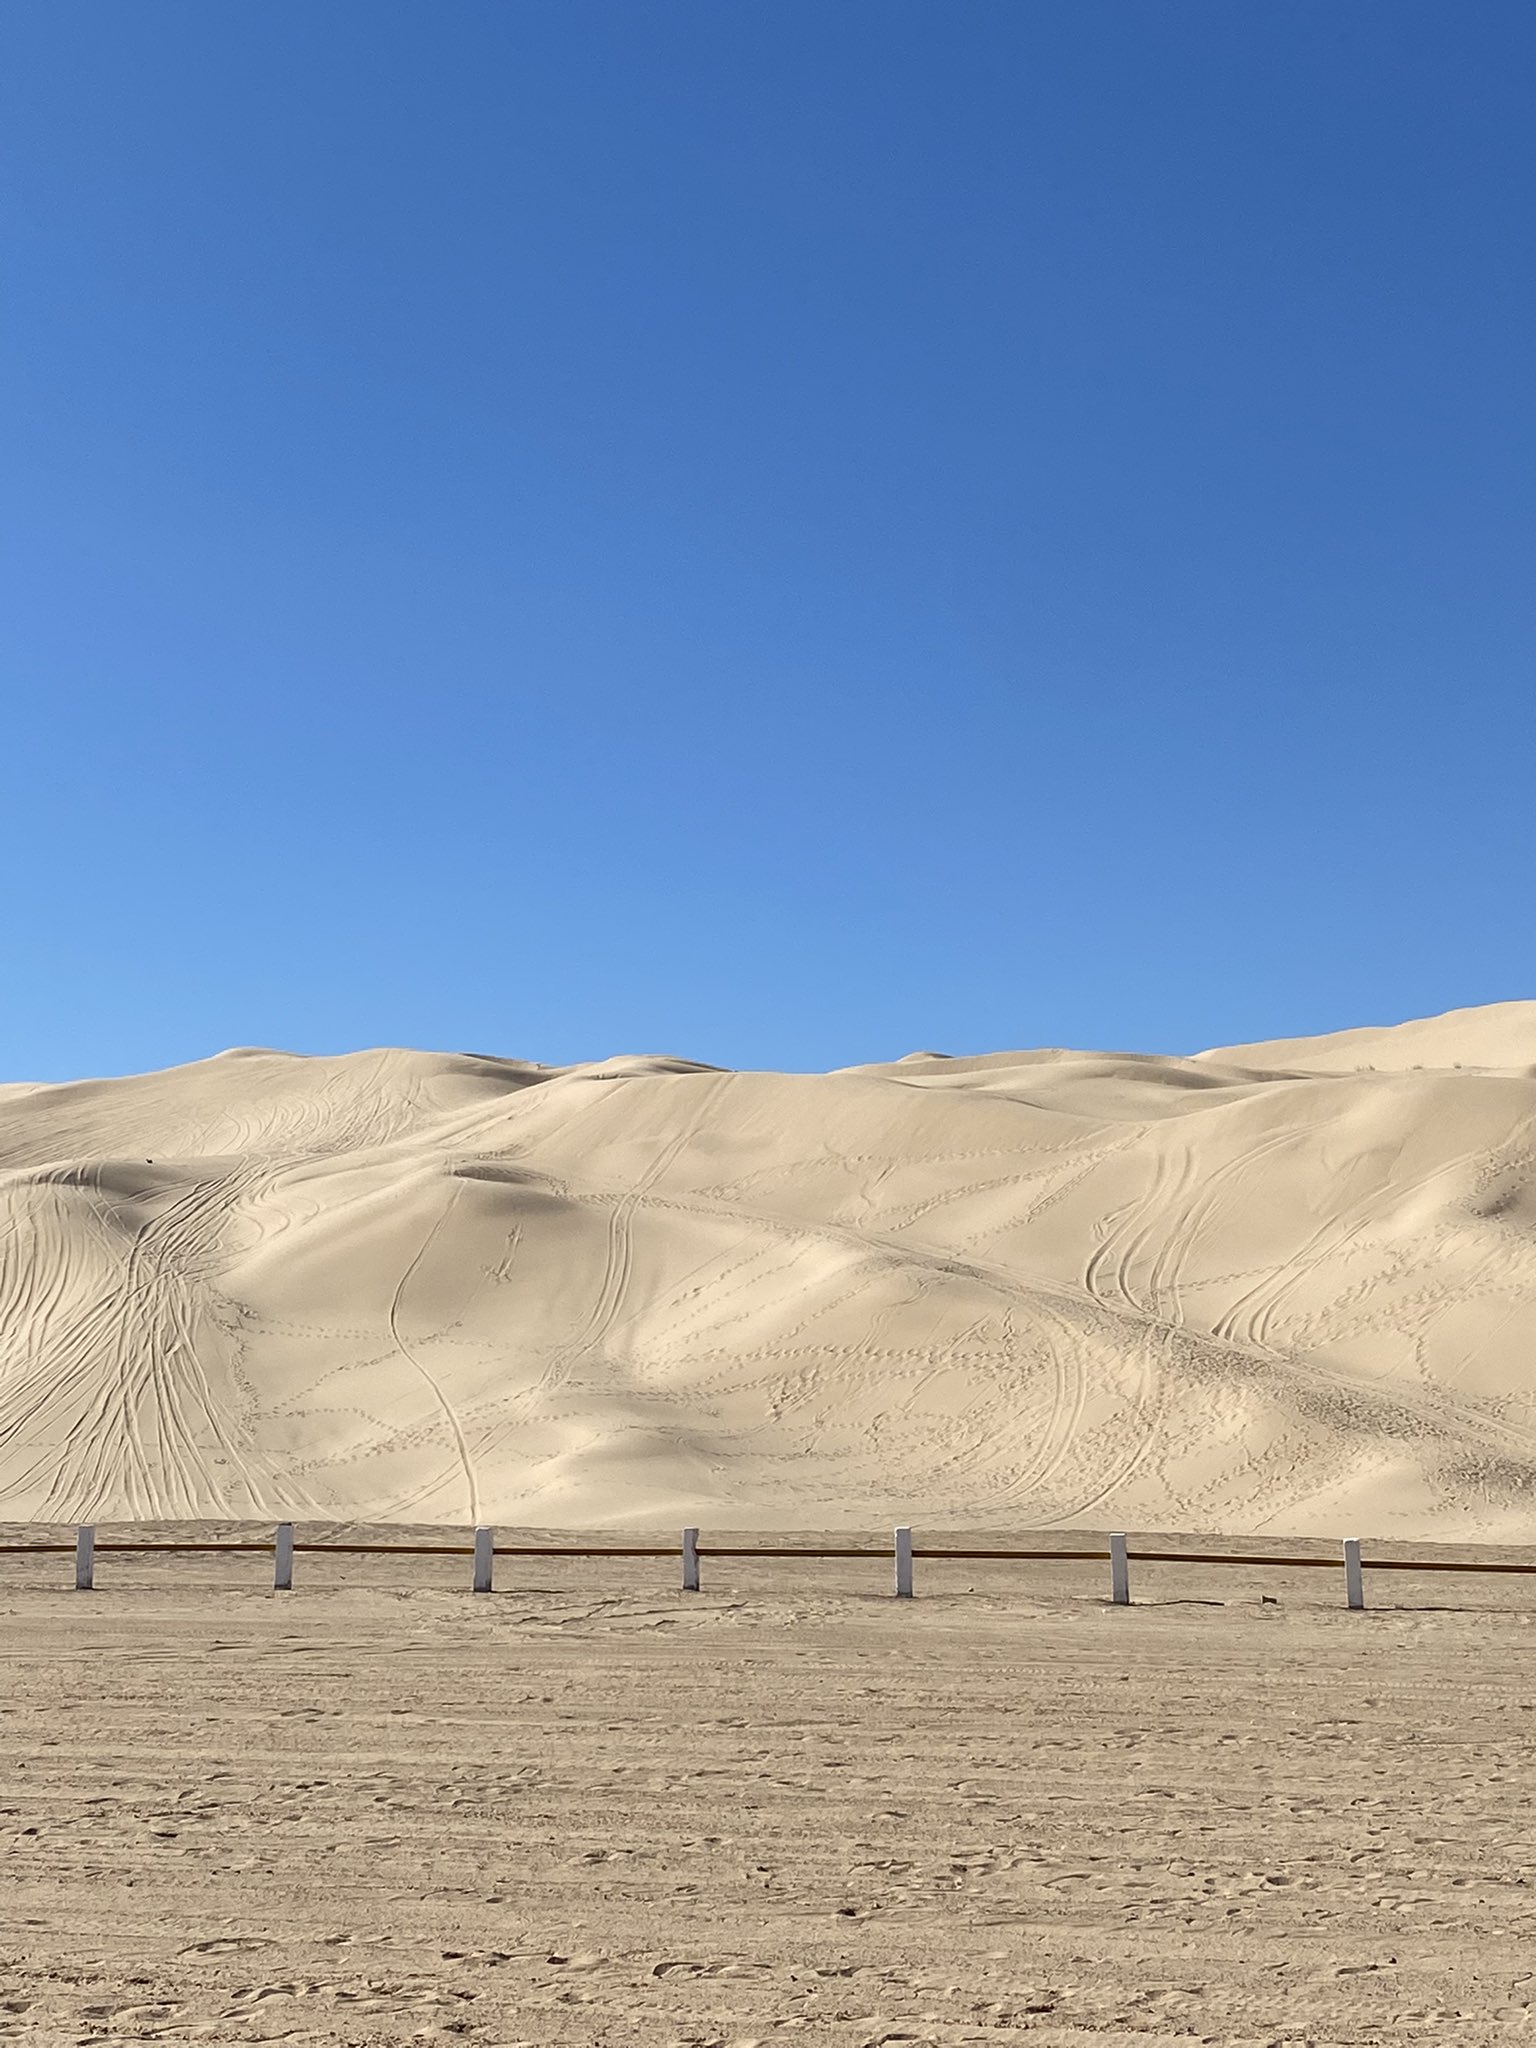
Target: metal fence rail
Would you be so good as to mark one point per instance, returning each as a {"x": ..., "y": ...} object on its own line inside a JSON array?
[{"x": 483, "y": 1548}]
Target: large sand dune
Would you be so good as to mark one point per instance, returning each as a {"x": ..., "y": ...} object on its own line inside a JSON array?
[{"x": 1285, "y": 1287}]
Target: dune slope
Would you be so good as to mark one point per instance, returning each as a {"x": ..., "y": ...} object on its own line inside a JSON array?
[{"x": 1273, "y": 1288}]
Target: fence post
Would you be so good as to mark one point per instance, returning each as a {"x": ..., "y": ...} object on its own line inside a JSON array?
[
  {"x": 690, "y": 1560},
  {"x": 85, "y": 1557},
  {"x": 1354, "y": 1578},
  {"x": 1119, "y": 1572},
  {"x": 282, "y": 1558},
  {"x": 903, "y": 1564},
  {"x": 485, "y": 1552}
]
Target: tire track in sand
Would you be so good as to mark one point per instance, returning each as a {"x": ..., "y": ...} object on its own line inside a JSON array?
[{"x": 450, "y": 1413}]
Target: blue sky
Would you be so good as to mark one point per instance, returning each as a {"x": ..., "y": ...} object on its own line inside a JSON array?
[{"x": 784, "y": 533}]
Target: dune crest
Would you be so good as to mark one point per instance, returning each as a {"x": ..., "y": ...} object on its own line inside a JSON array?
[
  {"x": 1274, "y": 1288},
  {"x": 1499, "y": 1036}
]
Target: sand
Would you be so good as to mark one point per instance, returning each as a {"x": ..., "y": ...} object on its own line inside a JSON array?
[
  {"x": 1285, "y": 1288},
  {"x": 591, "y": 1809}
]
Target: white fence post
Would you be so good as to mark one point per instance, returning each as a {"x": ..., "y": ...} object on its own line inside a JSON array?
[
  {"x": 690, "y": 1560},
  {"x": 903, "y": 1564},
  {"x": 282, "y": 1558},
  {"x": 1119, "y": 1572},
  {"x": 85, "y": 1558},
  {"x": 485, "y": 1552},
  {"x": 1354, "y": 1578}
]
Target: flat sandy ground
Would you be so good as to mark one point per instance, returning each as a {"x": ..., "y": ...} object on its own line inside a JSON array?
[{"x": 590, "y": 1808}]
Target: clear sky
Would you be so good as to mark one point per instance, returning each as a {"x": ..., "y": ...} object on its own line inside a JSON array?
[{"x": 777, "y": 531}]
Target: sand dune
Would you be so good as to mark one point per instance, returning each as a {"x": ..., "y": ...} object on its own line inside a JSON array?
[
  {"x": 1285, "y": 1287},
  {"x": 1499, "y": 1035}
]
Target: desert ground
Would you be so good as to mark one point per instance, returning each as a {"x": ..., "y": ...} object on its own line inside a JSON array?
[
  {"x": 1281, "y": 1288},
  {"x": 591, "y": 1809},
  {"x": 1271, "y": 1294}
]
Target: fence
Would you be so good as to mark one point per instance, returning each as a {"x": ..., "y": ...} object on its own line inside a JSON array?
[{"x": 483, "y": 1550}]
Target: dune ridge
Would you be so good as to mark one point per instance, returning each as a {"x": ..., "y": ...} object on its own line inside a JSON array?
[{"x": 1279, "y": 1288}]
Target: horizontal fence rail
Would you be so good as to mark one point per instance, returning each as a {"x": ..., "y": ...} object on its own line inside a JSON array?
[{"x": 483, "y": 1548}]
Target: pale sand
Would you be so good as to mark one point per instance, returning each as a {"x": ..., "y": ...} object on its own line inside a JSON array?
[
  {"x": 1283, "y": 1288},
  {"x": 605, "y": 1812}
]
